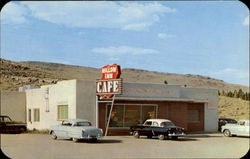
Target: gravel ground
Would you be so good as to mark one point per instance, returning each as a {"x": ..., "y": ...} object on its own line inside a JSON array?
[{"x": 29, "y": 146}]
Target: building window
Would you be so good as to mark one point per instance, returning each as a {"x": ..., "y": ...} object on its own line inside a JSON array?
[
  {"x": 125, "y": 115},
  {"x": 36, "y": 115},
  {"x": 132, "y": 115},
  {"x": 193, "y": 115},
  {"x": 29, "y": 115},
  {"x": 62, "y": 112}
]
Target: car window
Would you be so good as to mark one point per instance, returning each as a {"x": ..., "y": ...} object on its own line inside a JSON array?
[
  {"x": 84, "y": 123},
  {"x": 232, "y": 121},
  {"x": 66, "y": 123},
  {"x": 7, "y": 119},
  {"x": 155, "y": 124},
  {"x": 167, "y": 123},
  {"x": 241, "y": 122},
  {"x": 148, "y": 123}
]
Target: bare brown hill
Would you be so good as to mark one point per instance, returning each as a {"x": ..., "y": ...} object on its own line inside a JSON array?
[
  {"x": 16, "y": 74},
  {"x": 136, "y": 75},
  {"x": 233, "y": 108}
]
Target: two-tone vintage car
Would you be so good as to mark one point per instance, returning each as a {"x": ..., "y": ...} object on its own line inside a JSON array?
[
  {"x": 241, "y": 128},
  {"x": 224, "y": 121},
  {"x": 162, "y": 128},
  {"x": 9, "y": 126},
  {"x": 75, "y": 129}
]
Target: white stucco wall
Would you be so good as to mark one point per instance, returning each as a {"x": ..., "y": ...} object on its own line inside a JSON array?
[
  {"x": 62, "y": 93},
  {"x": 13, "y": 104}
]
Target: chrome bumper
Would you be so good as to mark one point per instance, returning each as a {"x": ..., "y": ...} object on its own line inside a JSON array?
[
  {"x": 91, "y": 137},
  {"x": 182, "y": 134}
]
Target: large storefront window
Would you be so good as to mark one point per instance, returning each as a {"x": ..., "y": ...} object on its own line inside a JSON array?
[
  {"x": 125, "y": 115},
  {"x": 116, "y": 119}
]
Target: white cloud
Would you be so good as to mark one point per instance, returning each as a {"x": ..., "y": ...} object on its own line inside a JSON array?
[
  {"x": 13, "y": 13},
  {"x": 246, "y": 21},
  {"x": 123, "y": 50},
  {"x": 99, "y": 14},
  {"x": 164, "y": 35}
]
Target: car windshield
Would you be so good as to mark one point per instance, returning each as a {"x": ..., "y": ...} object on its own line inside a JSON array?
[
  {"x": 167, "y": 123},
  {"x": 83, "y": 123},
  {"x": 232, "y": 121},
  {"x": 6, "y": 119}
]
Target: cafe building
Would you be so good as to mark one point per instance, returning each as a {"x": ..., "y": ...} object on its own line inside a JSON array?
[{"x": 194, "y": 109}]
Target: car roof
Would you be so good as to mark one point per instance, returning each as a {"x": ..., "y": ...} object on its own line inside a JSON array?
[
  {"x": 246, "y": 120},
  {"x": 226, "y": 119},
  {"x": 76, "y": 120},
  {"x": 158, "y": 120}
]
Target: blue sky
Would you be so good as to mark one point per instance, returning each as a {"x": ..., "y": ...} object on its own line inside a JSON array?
[{"x": 202, "y": 38}]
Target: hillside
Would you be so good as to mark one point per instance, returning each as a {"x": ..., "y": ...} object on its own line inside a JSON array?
[
  {"x": 233, "y": 108},
  {"x": 136, "y": 75},
  {"x": 16, "y": 74}
]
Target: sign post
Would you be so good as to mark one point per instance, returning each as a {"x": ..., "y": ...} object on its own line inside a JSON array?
[{"x": 107, "y": 126}]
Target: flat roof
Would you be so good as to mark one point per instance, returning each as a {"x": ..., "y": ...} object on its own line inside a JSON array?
[{"x": 162, "y": 99}]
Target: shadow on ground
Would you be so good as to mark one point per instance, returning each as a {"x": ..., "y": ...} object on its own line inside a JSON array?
[
  {"x": 203, "y": 136},
  {"x": 179, "y": 139},
  {"x": 104, "y": 141}
]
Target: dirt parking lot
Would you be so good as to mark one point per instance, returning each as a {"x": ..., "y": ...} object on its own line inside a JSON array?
[{"x": 29, "y": 146}]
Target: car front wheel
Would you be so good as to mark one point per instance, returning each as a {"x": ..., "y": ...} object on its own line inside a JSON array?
[
  {"x": 174, "y": 137},
  {"x": 75, "y": 139},
  {"x": 53, "y": 135},
  {"x": 161, "y": 137},
  {"x": 136, "y": 134},
  {"x": 227, "y": 133}
]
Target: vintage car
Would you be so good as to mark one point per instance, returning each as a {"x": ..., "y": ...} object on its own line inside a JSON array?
[
  {"x": 162, "y": 128},
  {"x": 9, "y": 126},
  {"x": 224, "y": 121},
  {"x": 75, "y": 129},
  {"x": 239, "y": 129}
]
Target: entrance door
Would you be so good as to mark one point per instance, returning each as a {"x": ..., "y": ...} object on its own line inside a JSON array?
[{"x": 195, "y": 117}]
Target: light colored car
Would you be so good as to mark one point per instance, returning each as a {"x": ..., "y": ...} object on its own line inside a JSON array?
[
  {"x": 239, "y": 129},
  {"x": 75, "y": 129}
]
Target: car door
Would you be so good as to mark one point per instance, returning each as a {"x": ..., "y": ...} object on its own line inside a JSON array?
[
  {"x": 241, "y": 128},
  {"x": 66, "y": 126},
  {"x": 155, "y": 128},
  {"x": 62, "y": 130},
  {"x": 247, "y": 127},
  {"x": 147, "y": 129},
  {"x": 2, "y": 125}
]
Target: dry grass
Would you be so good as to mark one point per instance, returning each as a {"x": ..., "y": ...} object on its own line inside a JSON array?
[{"x": 233, "y": 108}]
